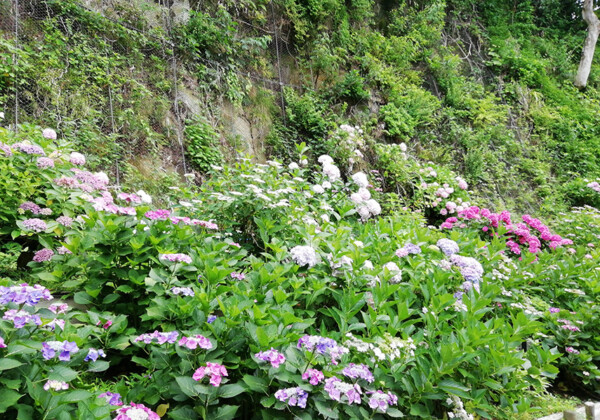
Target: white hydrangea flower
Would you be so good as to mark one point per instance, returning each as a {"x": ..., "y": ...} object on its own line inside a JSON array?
[
  {"x": 374, "y": 207},
  {"x": 356, "y": 198},
  {"x": 325, "y": 160},
  {"x": 364, "y": 193},
  {"x": 360, "y": 179},
  {"x": 293, "y": 166},
  {"x": 304, "y": 255},
  {"x": 318, "y": 189},
  {"x": 326, "y": 185},
  {"x": 363, "y": 212},
  {"x": 332, "y": 172}
]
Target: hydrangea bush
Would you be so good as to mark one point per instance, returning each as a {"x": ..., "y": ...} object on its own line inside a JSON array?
[{"x": 268, "y": 293}]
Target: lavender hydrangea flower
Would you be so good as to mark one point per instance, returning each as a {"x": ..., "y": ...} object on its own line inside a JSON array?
[
  {"x": 160, "y": 337},
  {"x": 35, "y": 224},
  {"x": 361, "y": 371},
  {"x": 295, "y": 397},
  {"x": 448, "y": 246},
  {"x": 337, "y": 389},
  {"x": 469, "y": 267},
  {"x": 381, "y": 401},
  {"x": 43, "y": 255},
  {"x": 44, "y": 163},
  {"x": 21, "y": 318},
  {"x": 323, "y": 346},
  {"x": 211, "y": 319},
  {"x": 24, "y": 294},
  {"x": 30, "y": 206},
  {"x": 176, "y": 258},
  {"x": 93, "y": 355},
  {"x": 66, "y": 221},
  {"x": 6, "y": 150},
  {"x": 28, "y": 148},
  {"x": 238, "y": 276},
  {"x": 112, "y": 398},
  {"x": 64, "y": 350},
  {"x": 273, "y": 356},
  {"x": 183, "y": 291}
]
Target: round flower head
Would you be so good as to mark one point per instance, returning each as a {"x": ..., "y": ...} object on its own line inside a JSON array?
[
  {"x": 44, "y": 162},
  {"x": 304, "y": 255},
  {"x": 55, "y": 385},
  {"x": 272, "y": 356},
  {"x": 325, "y": 159},
  {"x": 135, "y": 411},
  {"x": 214, "y": 370},
  {"x": 49, "y": 134},
  {"x": 447, "y": 246},
  {"x": 295, "y": 397},
  {"x": 360, "y": 179},
  {"x": 77, "y": 159}
]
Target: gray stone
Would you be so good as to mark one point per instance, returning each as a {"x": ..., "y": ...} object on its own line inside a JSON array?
[
  {"x": 592, "y": 410},
  {"x": 577, "y": 414}
]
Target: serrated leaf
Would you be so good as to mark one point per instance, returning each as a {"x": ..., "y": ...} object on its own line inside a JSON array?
[
  {"x": 8, "y": 398},
  {"x": 231, "y": 390},
  {"x": 225, "y": 412},
  {"x": 6, "y": 363},
  {"x": 255, "y": 383}
]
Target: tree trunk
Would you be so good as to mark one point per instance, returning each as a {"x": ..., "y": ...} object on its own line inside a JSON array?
[{"x": 590, "y": 44}]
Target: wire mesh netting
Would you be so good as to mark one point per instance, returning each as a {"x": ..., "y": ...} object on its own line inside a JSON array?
[{"x": 123, "y": 73}]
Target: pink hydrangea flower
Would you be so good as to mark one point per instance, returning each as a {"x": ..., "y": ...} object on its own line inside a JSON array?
[
  {"x": 214, "y": 370},
  {"x": 273, "y": 356}
]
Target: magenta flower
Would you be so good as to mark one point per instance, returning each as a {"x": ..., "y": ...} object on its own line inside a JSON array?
[
  {"x": 214, "y": 370},
  {"x": 238, "y": 276},
  {"x": 273, "y": 356},
  {"x": 314, "y": 376},
  {"x": 2, "y": 344},
  {"x": 571, "y": 350},
  {"x": 195, "y": 341},
  {"x": 554, "y": 310},
  {"x": 205, "y": 224},
  {"x": 135, "y": 411},
  {"x": 157, "y": 214}
]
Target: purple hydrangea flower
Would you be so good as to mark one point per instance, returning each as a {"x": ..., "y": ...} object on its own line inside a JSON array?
[
  {"x": 361, "y": 371},
  {"x": 77, "y": 159},
  {"x": 295, "y": 397},
  {"x": 66, "y": 221},
  {"x": 29, "y": 206},
  {"x": 469, "y": 267},
  {"x": 35, "y": 224},
  {"x": 448, "y": 246},
  {"x": 44, "y": 163},
  {"x": 337, "y": 389},
  {"x": 24, "y": 294},
  {"x": 30, "y": 149},
  {"x": 43, "y": 255},
  {"x": 21, "y": 318},
  {"x": 160, "y": 337},
  {"x": 93, "y": 355},
  {"x": 324, "y": 346},
  {"x": 273, "y": 356},
  {"x": 2, "y": 343},
  {"x": 238, "y": 276},
  {"x": 211, "y": 319},
  {"x": 381, "y": 401},
  {"x": 64, "y": 350},
  {"x": 113, "y": 398},
  {"x": 554, "y": 310},
  {"x": 6, "y": 150}
]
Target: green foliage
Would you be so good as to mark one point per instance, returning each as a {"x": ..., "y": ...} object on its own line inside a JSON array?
[{"x": 202, "y": 144}]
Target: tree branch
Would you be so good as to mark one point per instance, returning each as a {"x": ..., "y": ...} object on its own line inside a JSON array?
[{"x": 588, "y": 13}]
